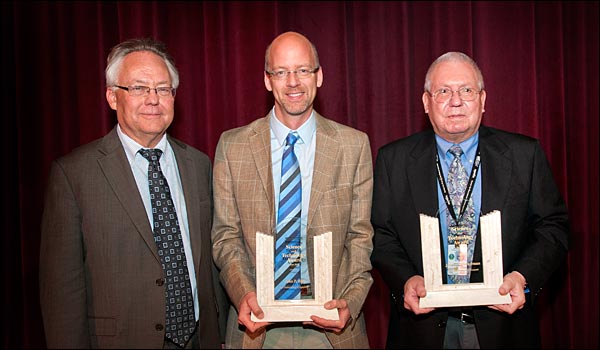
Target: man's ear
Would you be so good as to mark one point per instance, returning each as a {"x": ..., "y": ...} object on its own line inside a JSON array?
[
  {"x": 268, "y": 82},
  {"x": 320, "y": 77},
  {"x": 111, "y": 98},
  {"x": 425, "y": 99}
]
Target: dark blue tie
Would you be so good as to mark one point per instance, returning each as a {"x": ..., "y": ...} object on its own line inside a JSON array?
[
  {"x": 287, "y": 247},
  {"x": 180, "y": 320}
]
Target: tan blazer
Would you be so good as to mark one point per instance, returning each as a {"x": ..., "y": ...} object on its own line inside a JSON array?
[
  {"x": 340, "y": 202},
  {"x": 100, "y": 274}
]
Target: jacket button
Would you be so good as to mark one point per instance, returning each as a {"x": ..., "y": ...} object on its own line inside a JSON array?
[
  {"x": 442, "y": 324},
  {"x": 159, "y": 327},
  {"x": 160, "y": 282}
]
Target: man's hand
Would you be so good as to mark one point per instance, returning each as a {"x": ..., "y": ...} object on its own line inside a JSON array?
[
  {"x": 333, "y": 325},
  {"x": 513, "y": 283},
  {"x": 248, "y": 305},
  {"x": 414, "y": 289}
]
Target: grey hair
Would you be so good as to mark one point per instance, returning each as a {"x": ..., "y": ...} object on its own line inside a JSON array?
[
  {"x": 118, "y": 53},
  {"x": 312, "y": 47},
  {"x": 453, "y": 56}
]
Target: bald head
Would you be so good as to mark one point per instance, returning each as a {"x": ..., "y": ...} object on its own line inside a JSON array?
[{"x": 287, "y": 43}]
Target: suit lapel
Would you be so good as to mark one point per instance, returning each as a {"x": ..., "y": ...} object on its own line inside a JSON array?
[
  {"x": 190, "y": 190},
  {"x": 260, "y": 146},
  {"x": 495, "y": 171},
  {"x": 326, "y": 150},
  {"x": 422, "y": 176},
  {"x": 115, "y": 167}
]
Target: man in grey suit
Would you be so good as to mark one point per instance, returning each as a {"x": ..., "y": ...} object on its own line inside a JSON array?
[
  {"x": 102, "y": 283},
  {"x": 503, "y": 171},
  {"x": 336, "y": 176}
]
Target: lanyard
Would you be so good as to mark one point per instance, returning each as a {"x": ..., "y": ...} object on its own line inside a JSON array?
[{"x": 469, "y": 190}]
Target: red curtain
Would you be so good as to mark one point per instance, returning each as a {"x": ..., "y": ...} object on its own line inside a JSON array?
[{"x": 539, "y": 59}]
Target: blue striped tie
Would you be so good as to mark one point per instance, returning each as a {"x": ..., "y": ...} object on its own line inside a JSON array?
[{"x": 287, "y": 251}]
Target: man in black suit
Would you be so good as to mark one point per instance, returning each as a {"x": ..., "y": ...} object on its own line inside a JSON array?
[{"x": 502, "y": 171}]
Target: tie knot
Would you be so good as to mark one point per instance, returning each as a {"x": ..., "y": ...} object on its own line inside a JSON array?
[
  {"x": 292, "y": 138},
  {"x": 456, "y": 151},
  {"x": 153, "y": 155}
]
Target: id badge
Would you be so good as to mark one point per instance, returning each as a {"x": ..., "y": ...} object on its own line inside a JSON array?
[{"x": 458, "y": 258}]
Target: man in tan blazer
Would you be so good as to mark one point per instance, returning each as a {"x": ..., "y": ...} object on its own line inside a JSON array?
[
  {"x": 102, "y": 283},
  {"x": 336, "y": 170}
]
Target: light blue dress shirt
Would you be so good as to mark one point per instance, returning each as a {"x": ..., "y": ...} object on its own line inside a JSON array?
[
  {"x": 168, "y": 164},
  {"x": 469, "y": 147},
  {"x": 305, "y": 152}
]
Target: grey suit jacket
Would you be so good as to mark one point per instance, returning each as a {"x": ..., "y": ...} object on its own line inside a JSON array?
[
  {"x": 340, "y": 202},
  {"x": 100, "y": 275}
]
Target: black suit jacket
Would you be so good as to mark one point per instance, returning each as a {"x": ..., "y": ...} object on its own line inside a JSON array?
[
  {"x": 100, "y": 274},
  {"x": 517, "y": 181}
]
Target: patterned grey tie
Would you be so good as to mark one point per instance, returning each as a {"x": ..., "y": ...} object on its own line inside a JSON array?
[
  {"x": 457, "y": 184},
  {"x": 180, "y": 320}
]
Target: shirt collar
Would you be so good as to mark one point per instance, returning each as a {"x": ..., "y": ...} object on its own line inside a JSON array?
[
  {"x": 469, "y": 145},
  {"x": 131, "y": 147},
  {"x": 306, "y": 131}
]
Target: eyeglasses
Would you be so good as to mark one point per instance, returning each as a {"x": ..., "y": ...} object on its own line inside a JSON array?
[
  {"x": 445, "y": 94},
  {"x": 138, "y": 90},
  {"x": 301, "y": 73}
]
